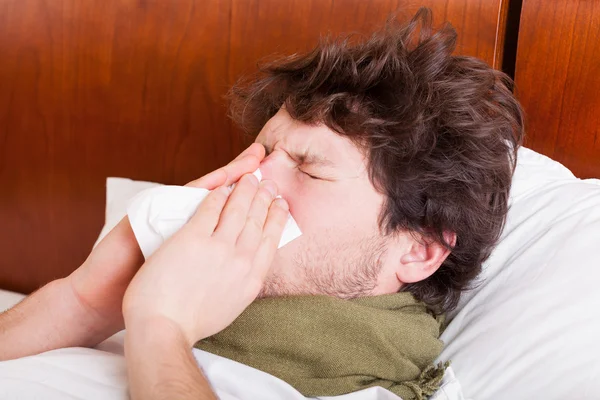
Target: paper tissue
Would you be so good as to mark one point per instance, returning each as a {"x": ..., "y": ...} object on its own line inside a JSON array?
[{"x": 157, "y": 213}]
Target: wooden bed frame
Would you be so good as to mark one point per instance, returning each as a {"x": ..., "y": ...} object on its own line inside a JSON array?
[{"x": 134, "y": 88}]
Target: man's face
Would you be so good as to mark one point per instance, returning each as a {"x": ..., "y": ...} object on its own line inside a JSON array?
[{"x": 324, "y": 178}]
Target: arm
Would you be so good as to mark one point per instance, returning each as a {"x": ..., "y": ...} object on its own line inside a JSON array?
[
  {"x": 82, "y": 309},
  {"x": 85, "y": 308},
  {"x": 157, "y": 351},
  {"x": 48, "y": 319},
  {"x": 196, "y": 284}
]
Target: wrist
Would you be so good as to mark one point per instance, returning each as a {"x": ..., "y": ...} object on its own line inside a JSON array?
[
  {"x": 173, "y": 372},
  {"x": 157, "y": 329},
  {"x": 100, "y": 315}
]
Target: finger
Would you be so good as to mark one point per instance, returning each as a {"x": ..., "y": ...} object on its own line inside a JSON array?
[
  {"x": 251, "y": 235},
  {"x": 228, "y": 174},
  {"x": 211, "y": 180},
  {"x": 255, "y": 149},
  {"x": 206, "y": 218},
  {"x": 247, "y": 162},
  {"x": 233, "y": 217},
  {"x": 276, "y": 220}
]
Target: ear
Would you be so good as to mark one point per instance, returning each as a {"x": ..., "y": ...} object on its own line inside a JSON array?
[{"x": 422, "y": 258}]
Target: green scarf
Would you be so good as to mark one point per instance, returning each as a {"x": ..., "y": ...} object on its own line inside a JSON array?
[{"x": 325, "y": 346}]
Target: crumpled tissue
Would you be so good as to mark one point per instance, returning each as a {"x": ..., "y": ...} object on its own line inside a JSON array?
[{"x": 156, "y": 214}]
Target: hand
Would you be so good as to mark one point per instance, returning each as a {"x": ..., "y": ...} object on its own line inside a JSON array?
[
  {"x": 100, "y": 283},
  {"x": 205, "y": 275}
]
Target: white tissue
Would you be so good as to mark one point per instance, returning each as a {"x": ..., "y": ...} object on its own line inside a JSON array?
[{"x": 157, "y": 213}]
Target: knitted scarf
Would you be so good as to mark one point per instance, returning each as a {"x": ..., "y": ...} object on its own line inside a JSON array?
[{"x": 325, "y": 346}]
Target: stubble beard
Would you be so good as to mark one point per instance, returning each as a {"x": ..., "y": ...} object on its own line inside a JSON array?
[{"x": 346, "y": 270}]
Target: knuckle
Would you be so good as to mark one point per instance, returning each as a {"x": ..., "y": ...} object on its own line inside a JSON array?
[
  {"x": 218, "y": 174},
  {"x": 254, "y": 223},
  {"x": 277, "y": 214},
  {"x": 250, "y": 179},
  {"x": 268, "y": 241},
  {"x": 244, "y": 257},
  {"x": 218, "y": 196},
  {"x": 235, "y": 212},
  {"x": 282, "y": 215},
  {"x": 221, "y": 247},
  {"x": 270, "y": 185},
  {"x": 229, "y": 169},
  {"x": 243, "y": 261},
  {"x": 265, "y": 197}
]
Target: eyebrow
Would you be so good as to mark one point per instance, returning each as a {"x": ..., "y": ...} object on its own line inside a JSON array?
[{"x": 304, "y": 158}]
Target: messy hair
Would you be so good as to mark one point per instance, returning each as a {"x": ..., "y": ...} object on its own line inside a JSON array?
[{"x": 440, "y": 133}]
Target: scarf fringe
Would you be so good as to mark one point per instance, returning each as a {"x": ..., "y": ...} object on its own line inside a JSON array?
[{"x": 428, "y": 382}]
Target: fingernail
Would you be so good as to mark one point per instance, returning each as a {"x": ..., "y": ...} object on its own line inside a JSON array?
[
  {"x": 270, "y": 186},
  {"x": 282, "y": 203},
  {"x": 252, "y": 179},
  {"x": 226, "y": 190}
]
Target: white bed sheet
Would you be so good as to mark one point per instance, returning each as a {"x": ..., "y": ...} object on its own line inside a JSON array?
[{"x": 100, "y": 373}]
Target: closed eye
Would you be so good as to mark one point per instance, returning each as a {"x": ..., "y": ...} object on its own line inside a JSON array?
[
  {"x": 269, "y": 149},
  {"x": 311, "y": 176}
]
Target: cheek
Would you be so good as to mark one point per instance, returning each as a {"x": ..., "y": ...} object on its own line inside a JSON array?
[
  {"x": 322, "y": 206},
  {"x": 332, "y": 220},
  {"x": 317, "y": 208},
  {"x": 309, "y": 210}
]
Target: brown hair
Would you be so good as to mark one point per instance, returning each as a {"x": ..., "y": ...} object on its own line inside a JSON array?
[{"x": 441, "y": 134}]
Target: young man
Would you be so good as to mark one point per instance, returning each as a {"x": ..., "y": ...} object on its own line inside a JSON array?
[{"x": 394, "y": 157}]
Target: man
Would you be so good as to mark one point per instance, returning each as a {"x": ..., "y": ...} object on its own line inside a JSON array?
[{"x": 394, "y": 157}]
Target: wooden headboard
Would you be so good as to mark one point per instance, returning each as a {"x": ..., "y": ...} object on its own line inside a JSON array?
[
  {"x": 558, "y": 81},
  {"x": 134, "y": 88}
]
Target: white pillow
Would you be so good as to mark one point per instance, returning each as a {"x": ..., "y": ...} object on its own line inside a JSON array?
[
  {"x": 8, "y": 299},
  {"x": 118, "y": 193},
  {"x": 531, "y": 329}
]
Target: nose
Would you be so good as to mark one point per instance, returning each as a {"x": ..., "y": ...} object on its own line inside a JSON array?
[
  {"x": 268, "y": 168},
  {"x": 274, "y": 168}
]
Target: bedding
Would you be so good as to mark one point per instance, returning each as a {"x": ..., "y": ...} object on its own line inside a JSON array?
[
  {"x": 530, "y": 329},
  {"x": 100, "y": 374},
  {"x": 9, "y": 299}
]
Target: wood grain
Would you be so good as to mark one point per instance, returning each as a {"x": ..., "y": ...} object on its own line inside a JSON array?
[
  {"x": 558, "y": 81},
  {"x": 134, "y": 88},
  {"x": 91, "y": 89},
  {"x": 264, "y": 27}
]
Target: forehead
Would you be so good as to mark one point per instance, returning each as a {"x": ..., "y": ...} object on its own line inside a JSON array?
[{"x": 319, "y": 139}]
